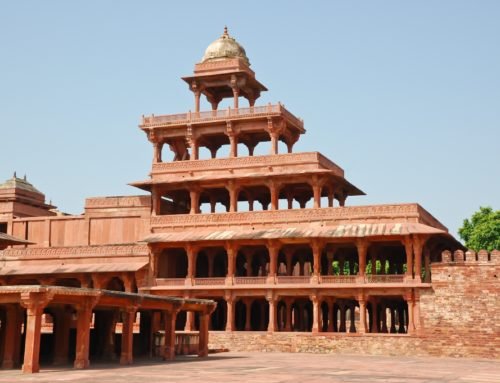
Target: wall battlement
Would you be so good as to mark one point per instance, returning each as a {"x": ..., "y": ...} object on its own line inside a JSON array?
[{"x": 470, "y": 257}]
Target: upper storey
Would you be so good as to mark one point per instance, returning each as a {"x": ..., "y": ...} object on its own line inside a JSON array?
[{"x": 224, "y": 72}]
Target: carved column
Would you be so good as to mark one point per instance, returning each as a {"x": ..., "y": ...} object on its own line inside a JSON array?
[
  {"x": 232, "y": 253},
  {"x": 329, "y": 257},
  {"x": 362, "y": 314},
  {"x": 233, "y": 142},
  {"x": 271, "y": 326},
  {"x": 194, "y": 195},
  {"x": 197, "y": 94},
  {"x": 236, "y": 95},
  {"x": 157, "y": 149},
  {"x": 331, "y": 308},
  {"x": 375, "y": 318},
  {"x": 274, "y": 191},
  {"x": 352, "y": 327},
  {"x": 289, "y": 258},
  {"x": 156, "y": 200},
  {"x": 203, "y": 335},
  {"x": 418, "y": 243},
  {"x": 191, "y": 252},
  {"x": 288, "y": 324},
  {"x": 316, "y": 249},
  {"x": 34, "y": 304},
  {"x": 383, "y": 315},
  {"x": 343, "y": 310},
  {"x": 126, "y": 355},
  {"x": 316, "y": 317},
  {"x": 170, "y": 318},
  {"x": 316, "y": 186},
  {"x": 409, "y": 256},
  {"x": 409, "y": 301},
  {"x": 230, "y": 312},
  {"x": 273, "y": 248},
  {"x": 427, "y": 265},
  {"x": 362, "y": 246},
  {"x": 233, "y": 197},
  {"x": 83, "y": 321}
]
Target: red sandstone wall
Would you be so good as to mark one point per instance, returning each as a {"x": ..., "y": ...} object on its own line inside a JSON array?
[{"x": 459, "y": 315}]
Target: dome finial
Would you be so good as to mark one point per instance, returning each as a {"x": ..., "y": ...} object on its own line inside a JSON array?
[{"x": 225, "y": 31}]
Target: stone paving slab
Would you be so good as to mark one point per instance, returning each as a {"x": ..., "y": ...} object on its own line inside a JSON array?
[{"x": 276, "y": 368}]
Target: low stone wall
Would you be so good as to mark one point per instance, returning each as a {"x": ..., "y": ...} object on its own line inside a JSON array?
[{"x": 459, "y": 317}]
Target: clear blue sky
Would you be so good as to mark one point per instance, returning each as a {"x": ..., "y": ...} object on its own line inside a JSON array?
[{"x": 404, "y": 95}]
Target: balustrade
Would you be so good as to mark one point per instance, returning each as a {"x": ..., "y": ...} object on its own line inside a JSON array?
[
  {"x": 209, "y": 281},
  {"x": 250, "y": 280}
]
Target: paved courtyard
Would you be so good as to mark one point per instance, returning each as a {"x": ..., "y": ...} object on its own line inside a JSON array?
[{"x": 276, "y": 367}]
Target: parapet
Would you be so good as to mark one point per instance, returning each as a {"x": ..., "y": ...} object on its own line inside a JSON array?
[{"x": 470, "y": 256}]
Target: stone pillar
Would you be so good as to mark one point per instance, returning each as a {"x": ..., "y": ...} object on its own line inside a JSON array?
[
  {"x": 195, "y": 148},
  {"x": 126, "y": 355},
  {"x": 362, "y": 315},
  {"x": 330, "y": 197},
  {"x": 316, "y": 186},
  {"x": 401, "y": 319},
  {"x": 197, "y": 94},
  {"x": 203, "y": 335},
  {"x": 248, "y": 315},
  {"x": 156, "y": 200},
  {"x": 393, "y": 320},
  {"x": 169, "y": 350},
  {"x": 289, "y": 258},
  {"x": 329, "y": 257},
  {"x": 331, "y": 304},
  {"x": 352, "y": 327},
  {"x": 233, "y": 197},
  {"x": 316, "y": 249},
  {"x": 416, "y": 312},
  {"x": 383, "y": 314},
  {"x": 288, "y": 324},
  {"x": 418, "y": 243},
  {"x": 62, "y": 323},
  {"x": 236, "y": 95},
  {"x": 411, "y": 326},
  {"x": 427, "y": 265},
  {"x": 34, "y": 304},
  {"x": 375, "y": 319},
  {"x": 373, "y": 256},
  {"x": 157, "y": 148},
  {"x": 271, "y": 326},
  {"x": 274, "y": 142},
  {"x": 191, "y": 253},
  {"x": 194, "y": 196},
  {"x": 232, "y": 253},
  {"x": 409, "y": 257},
  {"x": 362, "y": 247},
  {"x": 233, "y": 142},
  {"x": 273, "y": 249},
  {"x": 316, "y": 307},
  {"x": 249, "y": 259},
  {"x": 13, "y": 336},
  {"x": 230, "y": 312},
  {"x": 342, "y": 327},
  {"x": 83, "y": 321},
  {"x": 274, "y": 191},
  {"x": 189, "y": 326}
]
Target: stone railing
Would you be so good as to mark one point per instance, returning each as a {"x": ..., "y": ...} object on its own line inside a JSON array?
[
  {"x": 327, "y": 279},
  {"x": 407, "y": 212},
  {"x": 284, "y": 279},
  {"x": 221, "y": 114},
  {"x": 170, "y": 281},
  {"x": 217, "y": 281},
  {"x": 384, "y": 278},
  {"x": 250, "y": 280},
  {"x": 286, "y": 159}
]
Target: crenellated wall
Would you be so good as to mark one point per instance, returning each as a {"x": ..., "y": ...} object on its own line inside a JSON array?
[{"x": 458, "y": 314}]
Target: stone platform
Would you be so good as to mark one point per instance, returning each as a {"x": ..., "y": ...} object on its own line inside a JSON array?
[{"x": 277, "y": 367}]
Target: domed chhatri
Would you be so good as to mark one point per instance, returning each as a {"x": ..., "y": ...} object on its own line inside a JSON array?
[{"x": 223, "y": 48}]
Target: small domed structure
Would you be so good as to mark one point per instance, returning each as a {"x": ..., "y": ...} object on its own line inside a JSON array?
[{"x": 223, "y": 48}]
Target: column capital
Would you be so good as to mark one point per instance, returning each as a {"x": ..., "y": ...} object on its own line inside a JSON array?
[
  {"x": 271, "y": 296},
  {"x": 35, "y": 301}
]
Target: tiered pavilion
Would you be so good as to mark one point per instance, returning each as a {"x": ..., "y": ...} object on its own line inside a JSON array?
[{"x": 269, "y": 237}]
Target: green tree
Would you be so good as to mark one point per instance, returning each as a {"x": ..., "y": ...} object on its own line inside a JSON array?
[{"x": 482, "y": 231}]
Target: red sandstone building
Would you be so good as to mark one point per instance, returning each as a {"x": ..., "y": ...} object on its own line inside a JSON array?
[{"x": 268, "y": 237}]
